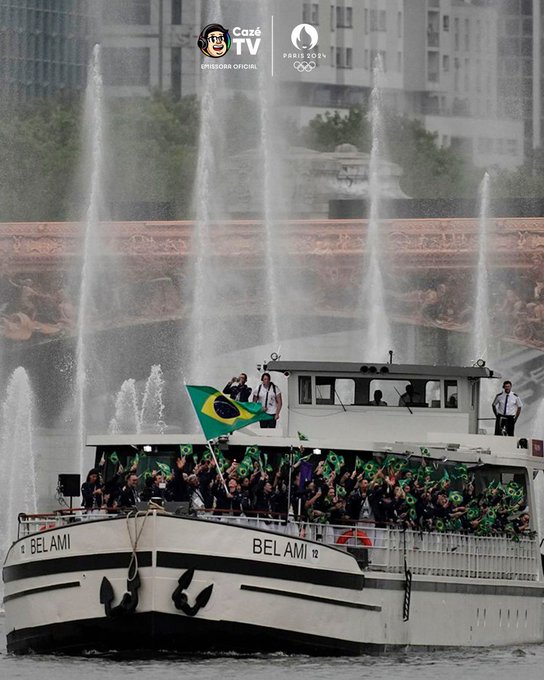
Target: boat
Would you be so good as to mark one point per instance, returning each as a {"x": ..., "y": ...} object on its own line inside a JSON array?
[{"x": 177, "y": 578}]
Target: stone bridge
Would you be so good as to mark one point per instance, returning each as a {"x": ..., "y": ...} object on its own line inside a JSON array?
[{"x": 432, "y": 263}]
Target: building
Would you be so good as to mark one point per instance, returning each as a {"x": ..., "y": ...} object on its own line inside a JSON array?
[
  {"x": 44, "y": 47},
  {"x": 440, "y": 60},
  {"x": 150, "y": 45},
  {"x": 445, "y": 61}
]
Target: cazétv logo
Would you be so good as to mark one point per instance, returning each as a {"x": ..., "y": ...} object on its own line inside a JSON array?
[{"x": 215, "y": 41}]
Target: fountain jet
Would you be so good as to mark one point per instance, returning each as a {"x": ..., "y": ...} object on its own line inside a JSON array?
[
  {"x": 377, "y": 336},
  {"x": 481, "y": 333},
  {"x": 93, "y": 127},
  {"x": 17, "y": 456}
]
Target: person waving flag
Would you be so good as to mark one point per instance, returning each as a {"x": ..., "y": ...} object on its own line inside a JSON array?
[{"x": 219, "y": 415}]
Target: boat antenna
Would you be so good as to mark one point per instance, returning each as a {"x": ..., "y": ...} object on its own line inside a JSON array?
[
  {"x": 345, "y": 409},
  {"x": 404, "y": 402},
  {"x": 390, "y": 356}
]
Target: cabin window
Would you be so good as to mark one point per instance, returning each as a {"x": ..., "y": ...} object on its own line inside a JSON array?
[
  {"x": 329, "y": 390},
  {"x": 432, "y": 393},
  {"x": 344, "y": 391},
  {"x": 324, "y": 390},
  {"x": 304, "y": 389},
  {"x": 451, "y": 394}
]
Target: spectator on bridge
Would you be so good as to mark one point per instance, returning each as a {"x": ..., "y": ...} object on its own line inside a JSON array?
[
  {"x": 506, "y": 407},
  {"x": 237, "y": 388}
]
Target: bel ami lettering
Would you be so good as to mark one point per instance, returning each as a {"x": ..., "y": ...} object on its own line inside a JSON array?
[
  {"x": 52, "y": 543},
  {"x": 271, "y": 548}
]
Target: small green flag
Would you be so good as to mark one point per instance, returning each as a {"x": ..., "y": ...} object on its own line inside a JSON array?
[
  {"x": 253, "y": 452},
  {"x": 302, "y": 437},
  {"x": 219, "y": 415},
  {"x": 460, "y": 472},
  {"x": 336, "y": 461},
  {"x": 359, "y": 463},
  {"x": 164, "y": 468},
  {"x": 114, "y": 458},
  {"x": 245, "y": 466}
]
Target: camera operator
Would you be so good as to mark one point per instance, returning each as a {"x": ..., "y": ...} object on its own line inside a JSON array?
[{"x": 238, "y": 389}]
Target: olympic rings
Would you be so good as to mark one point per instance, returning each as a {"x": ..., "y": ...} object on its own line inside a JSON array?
[{"x": 304, "y": 66}]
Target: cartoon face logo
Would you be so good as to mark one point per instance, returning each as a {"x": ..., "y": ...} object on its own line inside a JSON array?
[
  {"x": 214, "y": 41},
  {"x": 304, "y": 37}
]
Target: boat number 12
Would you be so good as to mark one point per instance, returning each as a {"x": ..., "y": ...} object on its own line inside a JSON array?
[{"x": 315, "y": 553}]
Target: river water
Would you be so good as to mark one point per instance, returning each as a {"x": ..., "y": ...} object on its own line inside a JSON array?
[{"x": 519, "y": 663}]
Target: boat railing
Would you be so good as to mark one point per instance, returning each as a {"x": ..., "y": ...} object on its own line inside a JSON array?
[
  {"x": 383, "y": 548},
  {"x": 393, "y": 549}
]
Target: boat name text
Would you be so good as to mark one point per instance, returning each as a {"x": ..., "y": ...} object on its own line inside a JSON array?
[
  {"x": 271, "y": 547},
  {"x": 45, "y": 544}
]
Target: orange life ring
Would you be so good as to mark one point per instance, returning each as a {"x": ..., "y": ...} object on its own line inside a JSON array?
[{"x": 360, "y": 535}]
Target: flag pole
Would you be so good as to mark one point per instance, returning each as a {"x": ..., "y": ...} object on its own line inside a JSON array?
[{"x": 209, "y": 443}]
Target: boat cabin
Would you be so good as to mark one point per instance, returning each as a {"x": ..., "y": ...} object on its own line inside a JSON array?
[{"x": 339, "y": 399}]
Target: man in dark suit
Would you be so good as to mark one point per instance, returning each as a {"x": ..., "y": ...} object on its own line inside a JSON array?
[{"x": 238, "y": 389}]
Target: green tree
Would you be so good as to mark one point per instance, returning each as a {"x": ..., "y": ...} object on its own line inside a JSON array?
[{"x": 428, "y": 170}]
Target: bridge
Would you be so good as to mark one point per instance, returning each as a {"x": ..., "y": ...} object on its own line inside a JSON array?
[{"x": 432, "y": 261}]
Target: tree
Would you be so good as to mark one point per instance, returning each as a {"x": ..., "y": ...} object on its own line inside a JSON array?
[{"x": 428, "y": 170}]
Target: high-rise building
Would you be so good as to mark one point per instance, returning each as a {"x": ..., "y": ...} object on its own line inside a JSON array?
[
  {"x": 44, "y": 47},
  {"x": 457, "y": 65},
  {"x": 150, "y": 45},
  {"x": 440, "y": 61}
]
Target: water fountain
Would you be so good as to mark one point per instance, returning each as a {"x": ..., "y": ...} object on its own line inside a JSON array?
[
  {"x": 94, "y": 143},
  {"x": 152, "y": 411},
  {"x": 17, "y": 455},
  {"x": 372, "y": 306},
  {"x": 204, "y": 276},
  {"x": 270, "y": 200},
  {"x": 481, "y": 334},
  {"x": 127, "y": 414}
]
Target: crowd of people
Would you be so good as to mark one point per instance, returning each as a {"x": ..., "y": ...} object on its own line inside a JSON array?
[{"x": 390, "y": 492}]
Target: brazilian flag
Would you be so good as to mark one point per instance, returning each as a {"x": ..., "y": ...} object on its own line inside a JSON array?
[
  {"x": 253, "y": 452},
  {"x": 164, "y": 468},
  {"x": 219, "y": 415},
  {"x": 245, "y": 466},
  {"x": 336, "y": 461},
  {"x": 187, "y": 450}
]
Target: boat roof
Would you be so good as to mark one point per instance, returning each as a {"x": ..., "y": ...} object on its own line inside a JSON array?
[
  {"x": 471, "y": 449},
  {"x": 371, "y": 368}
]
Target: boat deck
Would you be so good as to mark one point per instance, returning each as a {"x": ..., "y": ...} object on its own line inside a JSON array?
[{"x": 389, "y": 549}]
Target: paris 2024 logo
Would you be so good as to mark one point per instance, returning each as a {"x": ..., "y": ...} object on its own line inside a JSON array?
[{"x": 304, "y": 38}]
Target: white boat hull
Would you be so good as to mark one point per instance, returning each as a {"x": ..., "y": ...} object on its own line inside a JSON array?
[{"x": 266, "y": 592}]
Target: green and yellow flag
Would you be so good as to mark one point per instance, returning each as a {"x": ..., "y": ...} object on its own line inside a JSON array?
[{"x": 220, "y": 415}]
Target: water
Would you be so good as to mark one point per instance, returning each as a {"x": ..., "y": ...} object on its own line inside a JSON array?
[
  {"x": 127, "y": 413},
  {"x": 269, "y": 197},
  {"x": 134, "y": 414},
  {"x": 93, "y": 127},
  {"x": 205, "y": 275},
  {"x": 481, "y": 334},
  {"x": 378, "y": 337},
  {"x": 152, "y": 411},
  {"x": 501, "y": 664},
  {"x": 17, "y": 456}
]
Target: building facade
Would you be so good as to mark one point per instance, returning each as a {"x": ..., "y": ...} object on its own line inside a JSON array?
[
  {"x": 44, "y": 47},
  {"x": 445, "y": 62}
]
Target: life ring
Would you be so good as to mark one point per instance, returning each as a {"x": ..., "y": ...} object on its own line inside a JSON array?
[{"x": 360, "y": 535}]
